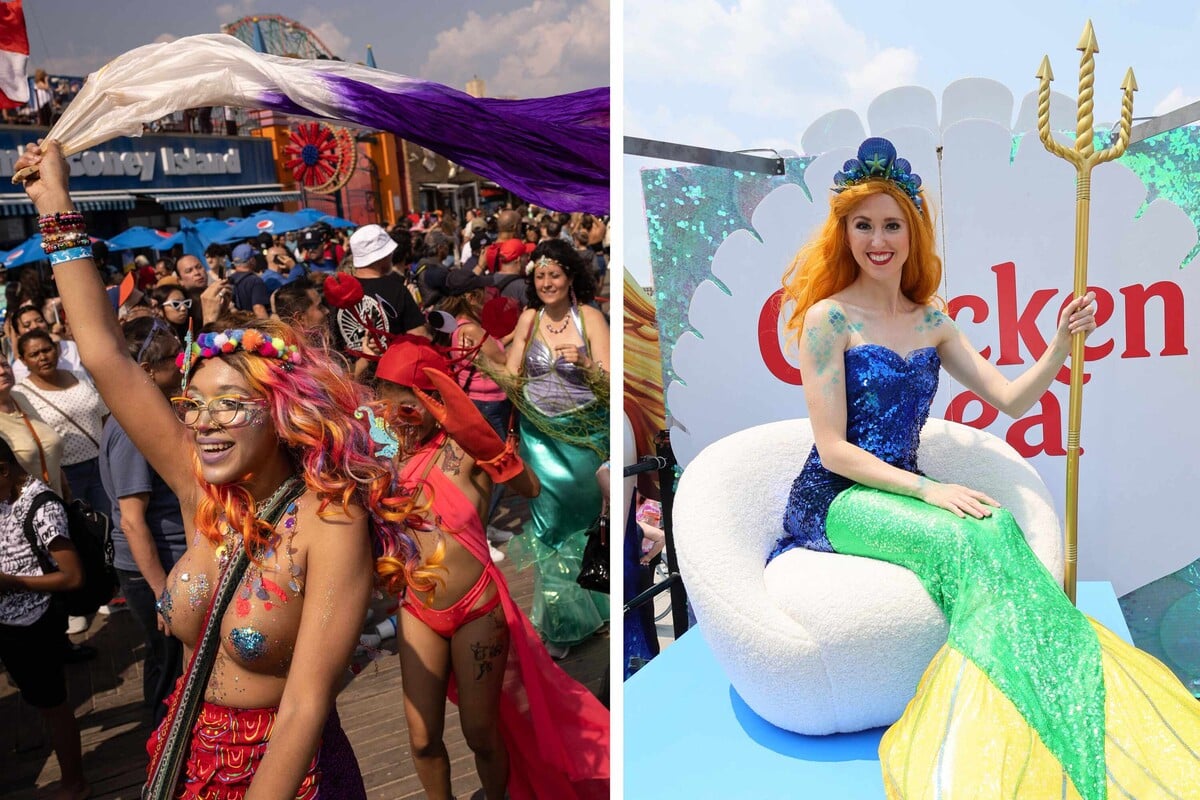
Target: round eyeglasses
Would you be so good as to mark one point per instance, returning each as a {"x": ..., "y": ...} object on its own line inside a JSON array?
[{"x": 227, "y": 411}]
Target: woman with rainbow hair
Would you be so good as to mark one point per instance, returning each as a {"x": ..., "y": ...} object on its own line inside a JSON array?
[
  {"x": 290, "y": 510},
  {"x": 1028, "y": 698}
]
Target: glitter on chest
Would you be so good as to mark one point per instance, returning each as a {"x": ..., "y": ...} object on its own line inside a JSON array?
[
  {"x": 166, "y": 605},
  {"x": 197, "y": 589},
  {"x": 249, "y": 643}
]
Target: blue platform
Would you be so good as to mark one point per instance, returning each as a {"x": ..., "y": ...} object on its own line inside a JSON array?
[{"x": 689, "y": 735}]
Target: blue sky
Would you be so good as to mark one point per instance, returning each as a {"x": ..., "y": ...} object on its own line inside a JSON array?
[
  {"x": 522, "y": 48},
  {"x": 755, "y": 73}
]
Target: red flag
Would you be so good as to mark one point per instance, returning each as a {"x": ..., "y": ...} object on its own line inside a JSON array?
[{"x": 14, "y": 55}]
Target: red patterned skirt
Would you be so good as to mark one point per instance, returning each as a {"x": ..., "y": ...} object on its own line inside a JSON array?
[{"x": 228, "y": 744}]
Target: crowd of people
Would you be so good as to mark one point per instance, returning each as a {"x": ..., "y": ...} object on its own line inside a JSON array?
[
  {"x": 354, "y": 405},
  {"x": 50, "y": 95}
]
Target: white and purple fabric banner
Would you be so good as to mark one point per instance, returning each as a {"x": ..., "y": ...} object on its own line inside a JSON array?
[{"x": 552, "y": 151}]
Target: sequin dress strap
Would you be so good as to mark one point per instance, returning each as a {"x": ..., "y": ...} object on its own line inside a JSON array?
[{"x": 577, "y": 318}]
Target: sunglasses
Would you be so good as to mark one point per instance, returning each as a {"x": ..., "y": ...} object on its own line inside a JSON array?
[
  {"x": 178, "y": 305},
  {"x": 158, "y": 326}
]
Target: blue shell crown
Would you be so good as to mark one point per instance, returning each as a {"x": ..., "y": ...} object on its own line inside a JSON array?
[{"x": 877, "y": 159}]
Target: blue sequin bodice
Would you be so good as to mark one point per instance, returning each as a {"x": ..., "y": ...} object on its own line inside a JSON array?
[{"x": 887, "y": 402}]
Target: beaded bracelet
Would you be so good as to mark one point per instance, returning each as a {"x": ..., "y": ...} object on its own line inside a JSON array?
[
  {"x": 66, "y": 244},
  {"x": 73, "y": 254},
  {"x": 59, "y": 235},
  {"x": 60, "y": 222},
  {"x": 64, "y": 241}
]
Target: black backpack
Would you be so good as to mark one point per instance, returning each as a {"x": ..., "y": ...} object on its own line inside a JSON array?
[{"x": 91, "y": 534}]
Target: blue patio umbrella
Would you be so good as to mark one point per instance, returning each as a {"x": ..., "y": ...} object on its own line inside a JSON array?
[
  {"x": 337, "y": 222},
  {"x": 210, "y": 228},
  {"x": 137, "y": 237},
  {"x": 311, "y": 215},
  {"x": 272, "y": 222},
  {"x": 370, "y": 57},
  {"x": 191, "y": 237},
  {"x": 27, "y": 252}
]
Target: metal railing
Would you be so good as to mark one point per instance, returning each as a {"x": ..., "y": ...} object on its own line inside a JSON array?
[{"x": 664, "y": 462}]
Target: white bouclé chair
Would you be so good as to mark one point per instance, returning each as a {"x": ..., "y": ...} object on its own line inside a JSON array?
[{"x": 822, "y": 643}]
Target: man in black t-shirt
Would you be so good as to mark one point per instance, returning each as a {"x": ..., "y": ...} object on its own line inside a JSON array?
[
  {"x": 387, "y": 304},
  {"x": 249, "y": 291}
]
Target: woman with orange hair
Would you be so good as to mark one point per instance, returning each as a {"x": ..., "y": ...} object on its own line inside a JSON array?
[
  {"x": 1028, "y": 697},
  {"x": 289, "y": 509}
]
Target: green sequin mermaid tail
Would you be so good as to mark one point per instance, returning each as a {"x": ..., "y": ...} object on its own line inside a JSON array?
[
  {"x": 1028, "y": 698},
  {"x": 563, "y": 612}
]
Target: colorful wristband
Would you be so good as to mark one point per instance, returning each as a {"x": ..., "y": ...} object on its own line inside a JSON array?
[{"x": 73, "y": 254}]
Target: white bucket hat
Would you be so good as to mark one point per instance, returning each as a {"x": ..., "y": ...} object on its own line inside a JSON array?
[{"x": 370, "y": 243}]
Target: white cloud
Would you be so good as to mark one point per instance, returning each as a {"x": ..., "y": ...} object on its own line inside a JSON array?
[
  {"x": 337, "y": 42},
  {"x": 756, "y": 62},
  {"x": 228, "y": 12},
  {"x": 1175, "y": 99},
  {"x": 165, "y": 37},
  {"x": 882, "y": 72},
  {"x": 546, "y": 47},
  {"x": 692, "y": 127}
]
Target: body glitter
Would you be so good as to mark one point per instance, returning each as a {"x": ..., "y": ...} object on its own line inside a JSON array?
[{"x": 249, "y": 643}]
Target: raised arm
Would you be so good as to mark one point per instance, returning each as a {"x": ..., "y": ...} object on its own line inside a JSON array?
[
  {"x": 1015, "y": 397},
  {"x": 135, "y": 401},
  {"x": 823, "y": 346}
]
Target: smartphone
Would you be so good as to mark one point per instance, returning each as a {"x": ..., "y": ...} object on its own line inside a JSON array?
[{"x": 219, "y": 272}]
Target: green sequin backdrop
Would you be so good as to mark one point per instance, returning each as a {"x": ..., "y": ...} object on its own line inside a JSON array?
[{"x": 691, "y": 210}]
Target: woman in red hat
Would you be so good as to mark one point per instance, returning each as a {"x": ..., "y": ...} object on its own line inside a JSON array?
[{"x": 534, "y": 731}]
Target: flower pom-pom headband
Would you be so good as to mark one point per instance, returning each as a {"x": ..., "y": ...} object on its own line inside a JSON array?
[
  {"x": 210, "y": 345},
  {"x": 877, "y": 159}
]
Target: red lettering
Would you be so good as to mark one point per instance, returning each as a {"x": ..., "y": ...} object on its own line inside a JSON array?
[
  {"x": 1049, "y": 420},
  {"x": 1018, "y": 330},
  {"x": 979, "y": 309},
  {"x": 957, "y": 411},
  {"x": 768, "y": 342},
  {"x": 1135, "y": 319},
  {"x": 1018, "y": 327}
]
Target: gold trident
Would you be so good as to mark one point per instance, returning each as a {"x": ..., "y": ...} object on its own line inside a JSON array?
[{"x": 1084, "y": 157}]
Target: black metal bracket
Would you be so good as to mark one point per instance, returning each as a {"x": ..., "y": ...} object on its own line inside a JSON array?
[{"x": 669, "y": 151}]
